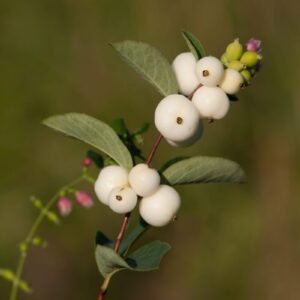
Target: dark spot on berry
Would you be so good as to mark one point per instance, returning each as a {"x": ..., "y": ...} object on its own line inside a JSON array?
[
  {"x": 179, "y": 120},
  {"x": 119, "y": 198},
  {"x": 205, "y": 73}
]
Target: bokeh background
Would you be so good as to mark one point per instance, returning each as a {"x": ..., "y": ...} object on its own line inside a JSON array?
[{"x": 231, "y": 241}]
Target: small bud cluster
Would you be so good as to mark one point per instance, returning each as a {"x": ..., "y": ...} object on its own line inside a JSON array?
[
  {"x": 247, "y": 61},
  {"x": 121, "y": 190},
  {"x": 207, "y": 83}
]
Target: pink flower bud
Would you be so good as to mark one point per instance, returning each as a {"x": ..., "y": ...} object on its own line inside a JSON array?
[
  {"x": 84, "y": 199},
  {"x": 87, "y": 162},
  {"x": 254, "y": 45},
  {"x": 64, "y": 206}
]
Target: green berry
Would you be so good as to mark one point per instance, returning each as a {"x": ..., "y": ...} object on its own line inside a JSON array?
[
  {"x": 250, "y": 58},
  {"x": 246, "y": 75},
  {"x": 236, "y": 65},
  {"x": 224, "y": 59},
  {"x": 234, "y": 50}
]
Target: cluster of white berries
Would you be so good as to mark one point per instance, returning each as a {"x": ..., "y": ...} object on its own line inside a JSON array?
[
  {"x": 206, "y": 83},
  {"x": 120, "y": 190}
]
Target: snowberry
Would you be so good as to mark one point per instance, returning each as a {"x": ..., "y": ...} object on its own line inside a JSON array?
[
  {"x": 184, "y": 66},
  {"x": 176, "y": 118},
  {"x": 211, "y": 102},
  {"x": 209, "y": 70},
  {"x": 122, "y": 200},
  {"x": 144, "y": 180},
  {"x": 234, "y": 51},
  {"x": 198, "y": 134},
  {"x": 231, "y": 82},
  {"x": 250, "y": 58},
  {"x": 160, "y": 208},
  {"x": 109, "y": 178}
]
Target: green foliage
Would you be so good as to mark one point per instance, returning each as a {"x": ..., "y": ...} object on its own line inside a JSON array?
[
  {"x": 146, "y": 258},
  {"x": 140, "y": 228},
  {"x": 10, "y": 276},
  {"x": 130, "y": 139},
  {"x": 93, "y": 132},
  {"x": 194, "y": 44},
  {"x": 202, "y": 169},
  {"x": 96, "y": 158},
  {"x": 52, "y": 217},
  {"x": 150, "y": 63}
]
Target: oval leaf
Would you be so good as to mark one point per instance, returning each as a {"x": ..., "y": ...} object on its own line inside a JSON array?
[
  {"x": 93, "y": 132},
  {"x": 201, "y": 169},
  {"x": 148, "y": 257},
  {"x": 150, "y": 63},
  {"x": 108, "y": 261},
  {"x": 194, "y": 44}
]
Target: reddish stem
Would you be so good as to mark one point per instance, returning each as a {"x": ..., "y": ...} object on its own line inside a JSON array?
[
  {"x": 122, "y": 232},
  {"x": 101, "y": 295},
  {"x": 154, "y": 149}
]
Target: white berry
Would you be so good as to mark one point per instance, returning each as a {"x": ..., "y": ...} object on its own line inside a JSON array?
[
  {"x": 122, "y": 200},
  {"x": 109, "y": 178},
  {"x": 209, "y": 70},
  {"x": 184, "y": 66},
  {"x": 176, "y": 118},
  {"x": 198, "y": 134},
  {"x": 231, "y": 82},
  {"x": 161, "y": 207},
  {"x": 144, "y": 180},
  {"x": 211, "y": 102}
]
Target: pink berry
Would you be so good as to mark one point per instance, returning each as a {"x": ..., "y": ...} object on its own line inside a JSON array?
[
  {"x": 84, "y": 199},
  {"x": 64, "y": 206}
]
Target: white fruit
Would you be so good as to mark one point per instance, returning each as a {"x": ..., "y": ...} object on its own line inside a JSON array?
[
  {"x": 109, "y": 178},
  {"x": 209, "y": 71},
  {"x": 122, "y": 200},
  {"x": 176, "y": 118},
  {"x": 191, "y": 140},
  {"x": 211, "y": 102},
  {"x": 161, "y": 207},
  {"x": 144, "y": 180},
  {"x": 184, "y": 66},
  {"x": 231, "y": 82}
]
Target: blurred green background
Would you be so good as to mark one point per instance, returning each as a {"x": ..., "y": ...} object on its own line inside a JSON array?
[{"x": 231, "y": 241}]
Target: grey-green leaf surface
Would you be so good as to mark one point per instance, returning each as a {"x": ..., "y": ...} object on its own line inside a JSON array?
[
  {"x": 93, "y": 132},
  {"x": 194, "y": 44},
  {"x": 148, "y": 257},
  {"x": 203, "y": 169},
  {"x": 108, "y": 261},
  {"x": 150, "y": 63}
]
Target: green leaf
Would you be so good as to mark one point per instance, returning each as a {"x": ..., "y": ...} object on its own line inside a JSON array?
[
  {"x": 93, "y": 132},
  {"x": 96, "y": 158},
  {"x": 150, "y": 63},
  {"x": 194, "y": 44},
  {"x": 119, "y": 127},
  {"x": 148, "y": 257},
  {"x": 133, "y": 236},
  {"x": 52, "y": 216},
  {"x": 103, "y": 240},
  {"x": 144, "y": 127},
  {"x": 108, "y": 261},
  {"x": 7, "y": 274},
  {"x": 201, "y": 169}
]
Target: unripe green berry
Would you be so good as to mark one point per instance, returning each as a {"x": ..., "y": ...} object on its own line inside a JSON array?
[
  {"x": 224, "y": 59},
  {"x": 236, "y": 65},
  {"x": 250, "y": 58},
  {"x": 234, "y": 50},
  {"x": 246, "y": 75}
]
